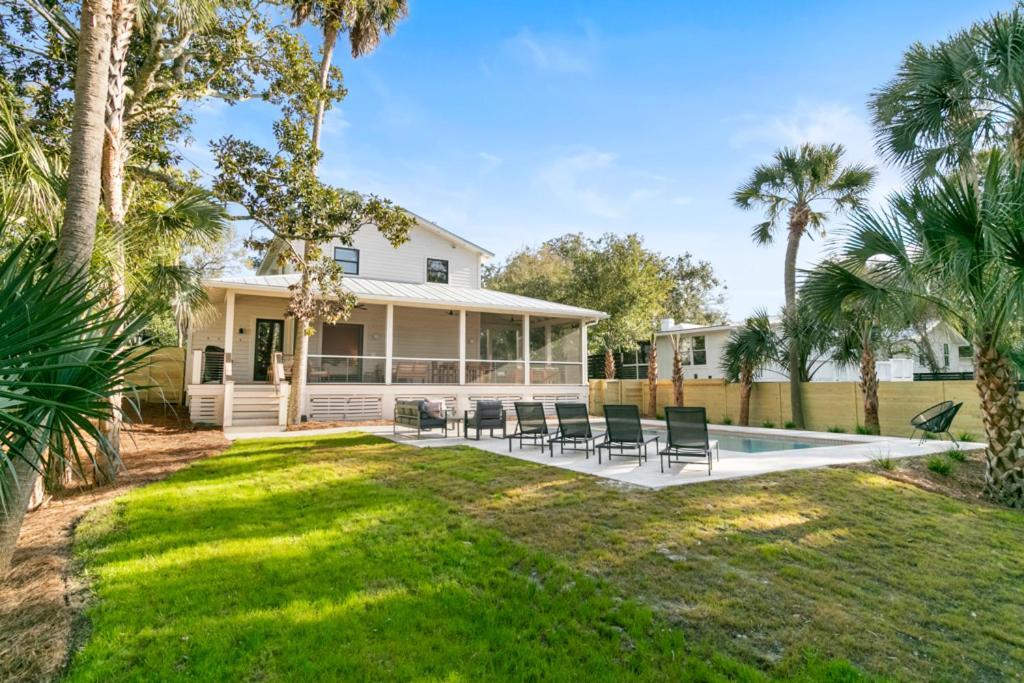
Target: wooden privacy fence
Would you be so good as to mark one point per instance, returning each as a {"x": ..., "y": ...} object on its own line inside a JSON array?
[
  {"x": 162, "y": 378},
  {"x": 826, "y": 404}
]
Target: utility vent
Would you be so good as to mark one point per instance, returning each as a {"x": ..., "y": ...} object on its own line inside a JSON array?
[
  {"x": 549, "y": 400},
  {"x": 204, "y": 409},
  {"x": 345, "y": 408},
  {"x": 507, "y": 401}
]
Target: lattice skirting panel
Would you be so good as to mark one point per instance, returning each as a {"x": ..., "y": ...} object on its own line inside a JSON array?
[{"x": 338, "y": 408}]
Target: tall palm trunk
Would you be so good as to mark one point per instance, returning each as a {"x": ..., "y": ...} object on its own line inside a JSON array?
[
  {"x": 677, "y": 374},
  {"x": 108, "y": 455},
  {"x": 746, "y": 387},
  {"x": 1001, "y": 414},
  {"x": 302, "y": 325},
  {"x": 78, "y": 233},
  {"x": 609, "y": 363},
  {"x": 797, "y": 225},
  {"x": 10, "y": 522},
  {"x": 652, "y": 378},
  {"x": 869, "y": 388}
]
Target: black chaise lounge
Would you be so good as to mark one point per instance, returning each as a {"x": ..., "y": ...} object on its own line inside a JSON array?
[
  {"x": 574, "y": 428},
  {"x": 488, "y": 415},
  {"x": 687, "y": 437},
  {"x": 625, "y": 432},
  {"x": 530, "y": 424},
  {"x": 936, "y": 420},
  {"x": 413, "y": 414}
]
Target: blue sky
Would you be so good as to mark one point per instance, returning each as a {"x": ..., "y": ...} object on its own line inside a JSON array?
[{"x": 511, "y": 123}]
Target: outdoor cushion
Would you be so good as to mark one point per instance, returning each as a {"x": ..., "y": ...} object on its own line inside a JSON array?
[{"x": 435, "y": 409}]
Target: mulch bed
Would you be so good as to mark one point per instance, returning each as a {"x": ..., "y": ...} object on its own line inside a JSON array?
[{"x": 41, "y": 599}]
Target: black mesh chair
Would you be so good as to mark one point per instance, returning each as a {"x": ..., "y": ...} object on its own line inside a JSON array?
[
  {"x": 530, "y": 424},
  {"x": 936, "y": 420},
  {"x": 573, "y": 428},
  {"x": 687, "y": 437},
  {"x": 625, "y": 433},
  {"x": 488, "y": 415}
]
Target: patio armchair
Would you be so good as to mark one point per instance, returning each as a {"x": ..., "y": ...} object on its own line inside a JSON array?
[
  {"x": 415, "y": 415},
  {"x": 936, "y": 420},
  {"x": 487, "y": 415},
  {"x": 531, "y": 424},
  {"x": 625, "y": 432},
  {"x": 687, "y": 437},
  {"x": 574, "y": 428}
]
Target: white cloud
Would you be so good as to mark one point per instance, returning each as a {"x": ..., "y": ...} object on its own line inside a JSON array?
[
  {"x": 556, "y": 53},
  {"x": 335, "y": 122},
  {"x": 489, "y": 162},
  {"x": 575, "y": 179}
]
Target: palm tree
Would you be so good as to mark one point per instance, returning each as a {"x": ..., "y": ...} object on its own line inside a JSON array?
[
  {"x": 78, "y": 234},
  {"x": 62, "y": 354},
  {"x": 365, "y": 21},
  {"x": 958, "y": 244},
  {"x": 954, "y": 98},
  {"x": 677, "y": 369},
  {"x": 747, "y": 352},
  {"x": 652, "y": 376},
  {"x": 798, "y": 184}
]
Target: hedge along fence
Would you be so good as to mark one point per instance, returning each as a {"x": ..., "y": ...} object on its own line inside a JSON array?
[
  {"x": 826, "y": 404},
  {"x": 162, "y": 378}
]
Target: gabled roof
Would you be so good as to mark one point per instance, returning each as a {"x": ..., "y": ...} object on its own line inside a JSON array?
[{"x": 386, "y": 291}]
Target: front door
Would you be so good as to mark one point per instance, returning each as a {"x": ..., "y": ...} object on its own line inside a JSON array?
[{"x": 269, "y": 339}]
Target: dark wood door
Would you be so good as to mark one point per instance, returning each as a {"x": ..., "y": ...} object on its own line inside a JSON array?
[{"x": 269, "y": 338}]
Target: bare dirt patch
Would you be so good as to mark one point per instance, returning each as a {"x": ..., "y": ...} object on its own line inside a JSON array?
[
  {"x": 965, "y": 479},
  {"x": 40, "y": 598},
  {"x": 305, "y": 426}
]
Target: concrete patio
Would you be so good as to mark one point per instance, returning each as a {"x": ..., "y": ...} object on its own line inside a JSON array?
[{"x": 836, "y": 449}]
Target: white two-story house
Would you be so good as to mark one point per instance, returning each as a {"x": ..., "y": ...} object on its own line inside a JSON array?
[{"x": 423, "y": 327}]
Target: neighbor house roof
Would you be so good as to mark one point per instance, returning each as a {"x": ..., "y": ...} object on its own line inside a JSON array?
[{"x": 386, "y": 291}]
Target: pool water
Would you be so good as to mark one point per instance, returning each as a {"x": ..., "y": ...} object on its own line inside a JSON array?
[{"x": 759, "y": 444}]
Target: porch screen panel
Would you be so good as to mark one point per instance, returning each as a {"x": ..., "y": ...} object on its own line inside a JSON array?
[
  {"x": 494, "y": 348},
  {"x": 425, "y": 346},
  {"x": 555, "y": 351}
]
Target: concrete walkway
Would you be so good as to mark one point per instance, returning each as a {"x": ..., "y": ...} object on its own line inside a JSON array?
[{"x": 835, "y": 449}]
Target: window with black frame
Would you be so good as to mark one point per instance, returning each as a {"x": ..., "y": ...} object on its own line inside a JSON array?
[
  {"x": 348, "y": 259},
  {"x": 437, "y": 271}
]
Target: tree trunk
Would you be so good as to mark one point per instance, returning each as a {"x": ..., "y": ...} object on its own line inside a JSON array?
[
  {"x": 609, "y": 364},
  {"x": 10, "y": 522},
  {"x": 746, "y": 386},
  {"x": 677, "y": 375},
  {"x": 869, "y": 388},
  {"x": 796, "y": 230},
  {"x": 108, "y": 455},
  {"x": 78, "y": 233},
  {"x": 925, "y": 347},
  {"x": 1001, "y": 414},
  {"x": 652, "y": 378}
]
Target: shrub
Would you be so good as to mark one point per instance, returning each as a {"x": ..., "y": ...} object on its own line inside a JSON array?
[
  {"x": 861, "y": 429},
  {"x": 727, "y": 420},
  {"x": 836, "y": 429},
  {"x": 789, "y": 424},
  {"x": 940, "y": 466},
  {"x": 965, "y": 436},
  {"x": 768, "y": 424},
  {"x": 883, "y": 462},
  {"x": 956, "y": 454}
]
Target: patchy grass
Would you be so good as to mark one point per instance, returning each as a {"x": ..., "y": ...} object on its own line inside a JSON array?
[
  {"x": 355, "y": 558},
  {"x": 957, "y": 455},
  {"x": 940, "y": 465}
]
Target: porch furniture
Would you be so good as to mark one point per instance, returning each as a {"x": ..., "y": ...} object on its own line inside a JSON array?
[
  {"x": 488, "y": 415},
  {"x": 687, "y": 437},
  {"x": 574, "y": 428},
  {"x": 531, "y": 424},
  {"x": 413, "y": 414},
  {"x": 936, "y": 420},
  {"x": 625, "y": 432}
]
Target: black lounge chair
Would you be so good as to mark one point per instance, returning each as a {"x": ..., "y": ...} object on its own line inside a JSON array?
[
  {"x": 413, "y": 414},
  {"x": 936, "y": 420},
  {"x": 574, "y": 428},
  {"x": 687, "y": 437},
  {"x": 530, "y": 424},
  {"x": 625, "y": 432},
  {"x": 488, "y": 415}
]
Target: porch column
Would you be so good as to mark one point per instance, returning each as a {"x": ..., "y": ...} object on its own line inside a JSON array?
[
  {"x": 547, "y": 342},
  {"x": 229, "y": 345},
  {"x": 462, "y": 346},
  {"x": 526, "y": 348},
  {"x": 583, "y": 352},
  {"x": 389, "y": 341}
]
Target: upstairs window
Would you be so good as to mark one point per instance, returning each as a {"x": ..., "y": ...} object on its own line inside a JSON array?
[
  {"x": 437, "y": 271},
  {"x": 700, "y": 353},
  {"x": 348, "y": 259}
]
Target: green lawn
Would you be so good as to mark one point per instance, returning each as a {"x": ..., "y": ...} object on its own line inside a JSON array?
[{"x": 354, "y": 558}]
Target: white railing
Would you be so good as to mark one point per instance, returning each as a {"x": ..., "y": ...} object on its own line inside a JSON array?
[
  {"x": 327, "y": 369},
  {"x": 495, "y": 372},
  {"x": 406, "y": 370},
  {"x": 555, "y": 372}
]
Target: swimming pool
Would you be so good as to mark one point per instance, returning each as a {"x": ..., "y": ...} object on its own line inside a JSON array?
[{"x": 741, "y": 443}]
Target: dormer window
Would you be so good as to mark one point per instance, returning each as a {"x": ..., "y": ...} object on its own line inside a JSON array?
[
  {"x": 348, "y": 259},
  {"x": 437, "y": 271}
]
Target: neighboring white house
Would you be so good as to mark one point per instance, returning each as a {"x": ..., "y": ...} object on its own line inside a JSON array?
[
  {"x": 703, "y": 347},
  {"x": 423, "y": 327}
]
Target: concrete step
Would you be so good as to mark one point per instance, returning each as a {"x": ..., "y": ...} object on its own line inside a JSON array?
[
  {"x": 260, "y": 421},
  {"x": 269, "y": 402}
]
